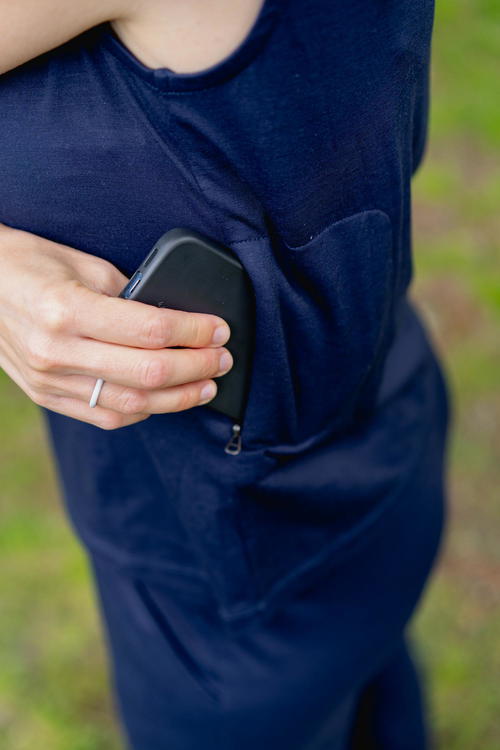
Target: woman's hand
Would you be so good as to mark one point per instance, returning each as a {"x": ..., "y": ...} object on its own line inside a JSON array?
[{"x": 62, "y": 326}]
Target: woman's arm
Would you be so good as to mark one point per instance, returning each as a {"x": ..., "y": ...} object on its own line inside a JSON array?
[
  {"x": 30, "y": 27},
  {"x": 185, "y": 36}
]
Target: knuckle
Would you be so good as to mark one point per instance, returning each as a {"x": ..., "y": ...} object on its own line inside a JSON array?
[
  {"x": 212, "y": 363},
  {"x": 54, "y": 311},
  {"x": 36, "y": 380},
  {"x": 195, "y": 329},
  {"x": 153, "y": 373},
  {"x": 110, "y": 421},
  {"x": 184, "y": 400},
  {"x": 132, "y": 402},
  {"x": 108, "y": 276},
  {"x": 39, "y": 398},
  {"x": 206, "y": 368},
  {"x": 157, "y": 331},
  {"x": 38, "y": 354}
]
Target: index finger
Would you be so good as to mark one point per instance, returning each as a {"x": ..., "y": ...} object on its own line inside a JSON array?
[{"x": 132, "y": 323}]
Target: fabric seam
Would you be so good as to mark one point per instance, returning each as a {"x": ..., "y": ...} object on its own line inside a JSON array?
[{"x": 342, "y": 546}]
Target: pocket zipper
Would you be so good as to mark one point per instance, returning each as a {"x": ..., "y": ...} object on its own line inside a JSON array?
[{"x": 233, "y": 445}]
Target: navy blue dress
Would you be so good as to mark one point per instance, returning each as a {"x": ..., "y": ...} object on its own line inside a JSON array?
[{"x": 256, "y": 599}]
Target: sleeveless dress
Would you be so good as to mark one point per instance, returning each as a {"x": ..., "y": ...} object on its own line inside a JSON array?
[{"x": 261, "y": 597}]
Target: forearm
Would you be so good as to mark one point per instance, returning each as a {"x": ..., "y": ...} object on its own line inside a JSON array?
[{"x": 29, "y": 28}]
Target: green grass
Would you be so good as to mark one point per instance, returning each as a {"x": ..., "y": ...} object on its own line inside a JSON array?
[
  {"x": 54, "y": 689},
  {"x": 53, "y": 680},
  {"x": 456, "y": 195}
]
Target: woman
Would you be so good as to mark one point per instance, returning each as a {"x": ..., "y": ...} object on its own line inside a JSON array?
[{"x": 259, "y": 597}]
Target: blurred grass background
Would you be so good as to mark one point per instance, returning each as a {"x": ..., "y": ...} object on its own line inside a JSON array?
[
  {"x": 54, "y": 689},
  {"x": 456, "y": 230}
]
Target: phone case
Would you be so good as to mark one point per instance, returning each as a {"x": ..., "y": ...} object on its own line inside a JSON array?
[{"x": 187, "y": 271}]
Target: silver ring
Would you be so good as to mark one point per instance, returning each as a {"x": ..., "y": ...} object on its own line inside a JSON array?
[{"x": 96, "y": 392}]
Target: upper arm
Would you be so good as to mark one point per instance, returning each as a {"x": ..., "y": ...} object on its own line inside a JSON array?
[{"x": 29, "y": 28}]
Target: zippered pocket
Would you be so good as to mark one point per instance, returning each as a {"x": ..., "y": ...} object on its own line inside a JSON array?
[{"x": 323, "y": 324}]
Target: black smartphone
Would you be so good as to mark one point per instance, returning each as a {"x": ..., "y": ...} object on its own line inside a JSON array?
[{"x": 188, "y": 271}]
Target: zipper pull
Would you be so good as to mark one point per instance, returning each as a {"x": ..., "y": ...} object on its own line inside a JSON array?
[{"x": 233, "y": 446}]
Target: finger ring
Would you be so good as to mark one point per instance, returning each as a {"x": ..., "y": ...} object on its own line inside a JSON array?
[{"x": 96, "y": 392}]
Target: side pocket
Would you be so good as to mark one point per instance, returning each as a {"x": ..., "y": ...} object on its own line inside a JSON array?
[{"x": 323, "y": 320}]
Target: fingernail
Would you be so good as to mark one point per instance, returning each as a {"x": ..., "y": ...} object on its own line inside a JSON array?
[
  {"x": 225, "y": 363},
  {"x": 208, "y": 392},
  {"x": 221, "y": 335}
]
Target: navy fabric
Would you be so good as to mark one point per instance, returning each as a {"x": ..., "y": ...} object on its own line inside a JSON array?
[
  {"x": 297, "y": 152},
  {"x": 328, "y": 670}
]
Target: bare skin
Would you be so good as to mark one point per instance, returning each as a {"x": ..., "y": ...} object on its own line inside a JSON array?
[
  {"x": 62, "y": 325},
  {"x": 30, "y": 27},
  {"x": 184, "y": 35},
  {"x": 61, "y": 322}
]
